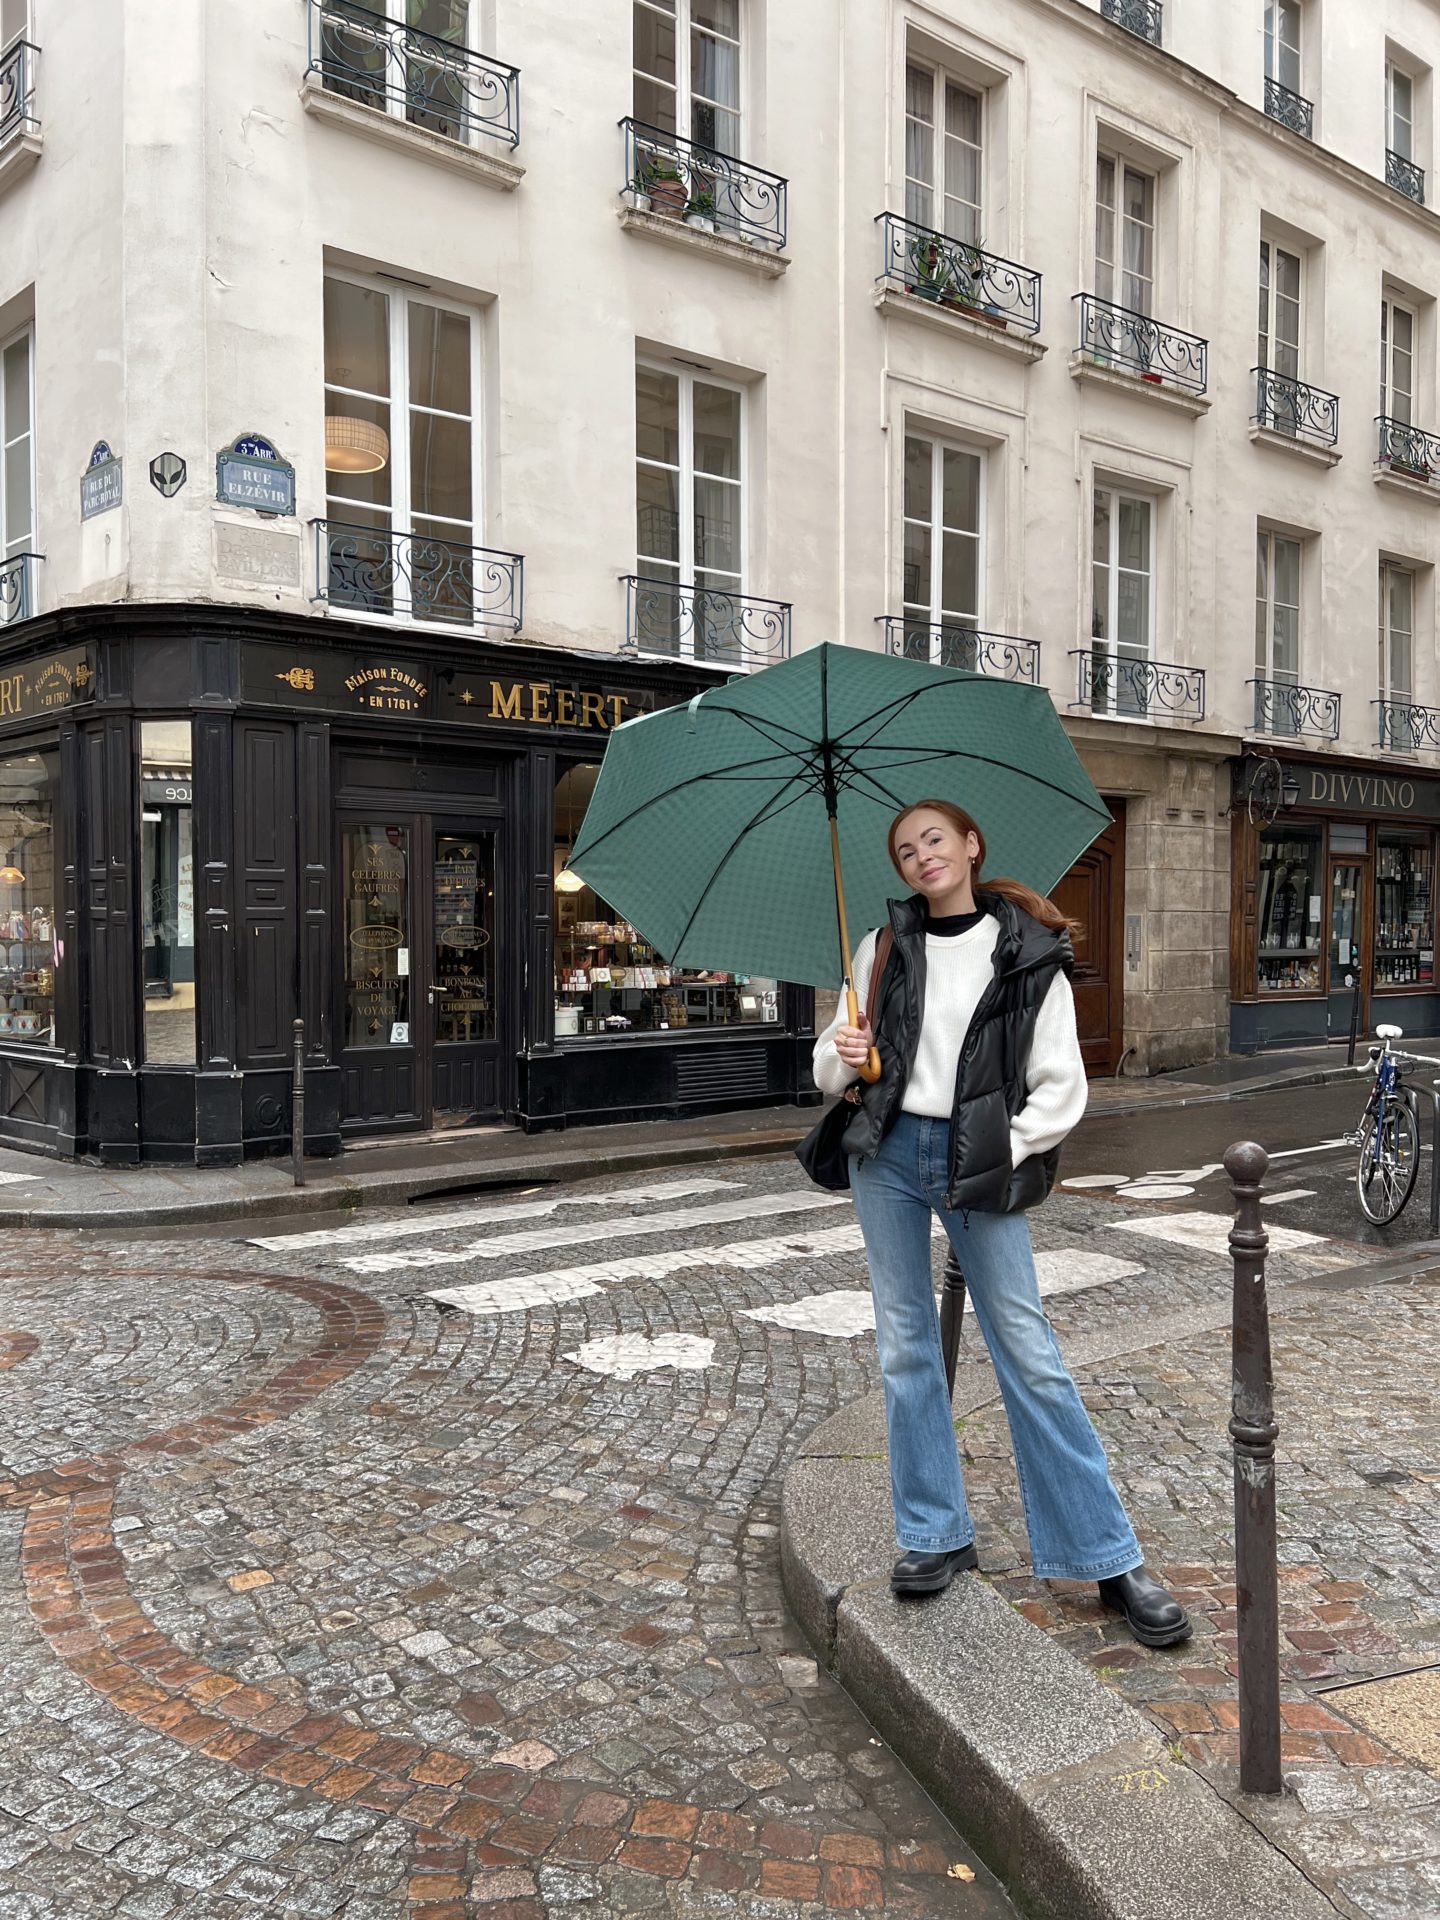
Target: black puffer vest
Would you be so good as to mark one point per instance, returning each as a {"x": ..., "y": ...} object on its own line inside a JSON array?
[{"x": 990, "y": 1080}]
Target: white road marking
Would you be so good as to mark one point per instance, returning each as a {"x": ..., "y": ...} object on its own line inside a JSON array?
[
  {"x": 1210, "y": 1232},
  {"x": 9, "y": 1179},
  {"x": 1320, "y": 1146},
  {"x": 1292, "y": 1193},
  {"x": 842, "y": 1314},
  {"x": 480, "y": 1216},
  {"x": 591, "y": 1231},
  {"x": 625, "y": 1354},
  {"x": 1072, "y": 1269},
  {"x": 1193, "y": 1174},
  {"x": 518, "y": 1291},
  {"x": 1096, "y": 1180},
  {"x": 1154, "y": 1190}
]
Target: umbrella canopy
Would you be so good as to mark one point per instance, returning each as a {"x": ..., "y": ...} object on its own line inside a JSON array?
[{"x": 710, "y": 824}]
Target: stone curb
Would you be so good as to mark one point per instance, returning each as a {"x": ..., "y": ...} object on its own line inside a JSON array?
[{"x": 1069, "y": 1794}]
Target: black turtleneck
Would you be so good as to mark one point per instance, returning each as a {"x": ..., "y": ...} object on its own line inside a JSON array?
[{"x": 946, "y": 925}]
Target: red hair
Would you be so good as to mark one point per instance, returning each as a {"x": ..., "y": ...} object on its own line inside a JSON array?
[{"x": 1026, "y": 898}]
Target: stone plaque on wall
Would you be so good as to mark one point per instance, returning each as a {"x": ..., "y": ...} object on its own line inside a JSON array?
[{"x": 257, "y": 556}]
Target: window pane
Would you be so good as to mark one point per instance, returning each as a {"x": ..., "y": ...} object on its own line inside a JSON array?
[
  {"x": 440, "y": 469},
  {"x": 14, "y": 20},
  {"x": 167, "y": 891},
  {"x": 18, "y": 521},
  {"x": 657, "y": 416},
  {"x": 962, "y": 114},
  {"x": 655, "y": 104},
  {"x": 960, "y": 577},
  {"x": 719, "y": 16},
  {"x": 464, "y": 932},
  {"x": 371, "y": 487},
  {"x": 1132, "y": 624},
  {"x": 916, "y": 583},
  {"x": 439, "y": 358},
  {"x": 1134, "y": 535},
  {"x": 17, "y": 388},
  {"x": 442, "y": 19},
  {"x": 657, "y": 516},
  {"x": 357, "y": 337},
  {"x": 715, "y": 70},
  {"x": 375, "y": 889},
  {"x": 919, "y": 456},
  {"x": 655, "y": 65},
  {"x": 717, "y": 430},
  {"x": 1287, "y": 573},
  {"x": 717, "y": 526},
  {"x": 961, "y": 476},
  {"x": 29, "y": 783}
]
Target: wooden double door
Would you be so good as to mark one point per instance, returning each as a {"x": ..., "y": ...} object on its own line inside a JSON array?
[
  {"x": 422, "y": 1016},
  {"x": 1093, "y": 892}
]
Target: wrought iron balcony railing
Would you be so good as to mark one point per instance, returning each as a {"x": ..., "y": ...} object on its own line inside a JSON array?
[
  {"x": 17, "y": 587},
  {"x": 687, "y": 181},
  {"x": 1122, "y": 337},
  {"x": 1284, "y": 708},
  {"x": 1142, "y": 17},
  {"x": 1408, "y": 450},
  {"x": 691, "y": 622},
  {"x": 1290, "y": 406},
  {"x": 1141, "y": 688},
  {"x": 1405, "y": 727},
  {"x": 416, "y": 576},
  {"x": 943, "y": 644},
  {"x": 957, "y": 275},
  {"x": 362, "y": 55},
  {"x": 1404, "y": 176},
  {"x": 17, "y": 89},
  {"x": 1291, "y": 109}
]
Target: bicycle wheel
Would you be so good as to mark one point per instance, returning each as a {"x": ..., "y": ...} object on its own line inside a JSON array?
[{"x": 1389, "y": 1163}]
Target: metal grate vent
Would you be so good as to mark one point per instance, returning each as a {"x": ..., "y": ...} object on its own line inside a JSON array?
[{"x": 721, "y": 1073}]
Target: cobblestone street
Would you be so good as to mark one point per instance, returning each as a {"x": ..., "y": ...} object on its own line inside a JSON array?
[{"x": 319, "y": 1596}]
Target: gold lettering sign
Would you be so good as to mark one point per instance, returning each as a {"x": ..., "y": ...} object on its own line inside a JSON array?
[
  {"x": 387, "y": 689},
  {"x": 539, "y": 704}
]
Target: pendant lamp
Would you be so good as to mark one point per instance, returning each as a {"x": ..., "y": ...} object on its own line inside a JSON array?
[{"x": 353, "y": 445}]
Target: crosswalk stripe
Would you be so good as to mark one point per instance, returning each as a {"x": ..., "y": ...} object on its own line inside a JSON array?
[
  {"x": 490, "y": 1216},
  {"x": 1210, "y": 1232},
  {"x": 680, "y": 1221}
]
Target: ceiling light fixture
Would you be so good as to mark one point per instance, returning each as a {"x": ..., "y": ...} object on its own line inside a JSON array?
[{"x": 354, "y": 446}]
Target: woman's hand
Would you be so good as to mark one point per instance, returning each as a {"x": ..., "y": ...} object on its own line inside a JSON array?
[{"x": 853, "y": 1044}]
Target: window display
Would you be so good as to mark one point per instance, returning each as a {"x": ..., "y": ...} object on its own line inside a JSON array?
[
  {"x": 609, "y": 979},
  {"x": 167, "y": 891},
  {"x": 375, "y": 890},
  {"x": 28, "y": 784},
  {"x": 1404, "y": 912},
  {"x": 1288, "y": 909}
]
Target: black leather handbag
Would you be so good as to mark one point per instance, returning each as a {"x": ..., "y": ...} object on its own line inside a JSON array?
[{"x": 820, "y": 1153}]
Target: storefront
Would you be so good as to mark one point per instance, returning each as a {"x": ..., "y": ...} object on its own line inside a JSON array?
[
  {"x": 214, "y": 823},
  {"x": 1334, "y": 875}
]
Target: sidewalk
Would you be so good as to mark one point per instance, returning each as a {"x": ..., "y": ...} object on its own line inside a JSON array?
[
  {"x": 40, "y": 1192},
  {"x": 1100, "y": 1779}
]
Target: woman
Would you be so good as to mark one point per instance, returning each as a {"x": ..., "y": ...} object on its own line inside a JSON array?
[{"x": 981, "y": 1080}]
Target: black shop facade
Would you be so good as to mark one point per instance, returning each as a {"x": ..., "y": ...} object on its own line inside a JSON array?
[{"x": 216, "y": 823}]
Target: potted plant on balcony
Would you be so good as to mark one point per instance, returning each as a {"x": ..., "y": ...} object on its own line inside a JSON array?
[
  {"x": 932, "y": 272},
  {"x": 965, "y": 291},
  {"x": 701, "y": 210},
  {"x": 662, "y": 184}
]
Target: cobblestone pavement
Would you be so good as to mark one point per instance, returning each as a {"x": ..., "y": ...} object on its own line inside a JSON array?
[{"x": 319, "y": 1596}]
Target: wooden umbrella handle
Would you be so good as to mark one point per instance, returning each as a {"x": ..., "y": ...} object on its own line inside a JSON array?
[{"x": 871, "y": 1070}]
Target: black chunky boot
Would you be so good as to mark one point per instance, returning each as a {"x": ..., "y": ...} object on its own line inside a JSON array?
[
  {"x": 1155, "y": 1617},
  {"x": 919, "y": 1572}
]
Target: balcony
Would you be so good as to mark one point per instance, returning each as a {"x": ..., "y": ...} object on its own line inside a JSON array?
[
  {"x": 1000, "y": 655},
  {"x": 1117, "y": 338},
  {"x": 993, "y": 295},
  {"x": 1291, "y": 109},
  {"x": 1285, "y": 709},
  {"x": 1293, "y": 408},
  {"x": 708, "y": 624},
  {"x": 684, "y": 190},
  {"x": 17, "y": 587},
  {"x": 394, "y": 83},
  {"x": 1406, "y": 728},
  {"x": 1143, "y": 18},
  {"x": 1406, "y": 453},
  {"x": 376, "y": 574},
  {"x": 1404, "y": 176},
  {"x": 1136, "y": 688},
  {"x": 19, "y": 129}
]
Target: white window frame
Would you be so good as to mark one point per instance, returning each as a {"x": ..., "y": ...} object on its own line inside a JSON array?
[
  {"x": 1110, "y": 645},
  {"x": 1284, "y": 59},
  {"x": 1121, "y": 221},
  {"x": 1389, "y": 307},
  {"x": 401, "y": 513},
  {"x": 1389, "y": 572},
  {"x": 1393, "y": 121},
  {"x": 941, "y": 79},
  {"x": 685, "y": 477},
  {"x": 936, "y": 617},
  {"x": 1269, "y": 340},
  {"x": 1265, "y": 668},
  {"x": 12, "y": 544},
  {"x": 685, "y": 31}
]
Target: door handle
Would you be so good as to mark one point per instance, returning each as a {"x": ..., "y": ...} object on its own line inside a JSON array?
[{"x": 434, "y": 991}]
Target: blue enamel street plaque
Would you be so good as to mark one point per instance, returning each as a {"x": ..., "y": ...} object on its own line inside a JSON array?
[
  {"x": 250, "y": 473},
  {"x": 102, "y": 483}
]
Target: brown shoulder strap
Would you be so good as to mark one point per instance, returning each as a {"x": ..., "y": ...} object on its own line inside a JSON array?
[{"x": 882, "y": 958}]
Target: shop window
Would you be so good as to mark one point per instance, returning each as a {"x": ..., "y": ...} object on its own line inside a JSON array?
[
  {"x": 1404, "y": 911},
  {"x": 1288, "y": 909},
  {"x": 29, "y": 783},
  {"x": 167, "y": 892},
  {"x": 376, "y": 868},
  {"x": 464, "y": 929},
  {"x": 609, "y": 979}
]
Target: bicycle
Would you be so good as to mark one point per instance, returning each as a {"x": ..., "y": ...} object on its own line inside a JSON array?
[{"x": 1388, "y": 1135}]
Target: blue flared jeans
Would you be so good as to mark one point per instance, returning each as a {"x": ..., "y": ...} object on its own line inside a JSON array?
[{"x": 1078, "y": 1528}]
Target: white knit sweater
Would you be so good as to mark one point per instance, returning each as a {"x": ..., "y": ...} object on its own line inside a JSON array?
[{"x": 958, "y": 969}]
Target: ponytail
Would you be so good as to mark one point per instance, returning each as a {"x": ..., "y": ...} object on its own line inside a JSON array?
[{"x": 1019, "y": 895}]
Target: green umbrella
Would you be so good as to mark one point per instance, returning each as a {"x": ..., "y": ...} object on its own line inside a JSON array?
[{"x": 717, "y": 828}]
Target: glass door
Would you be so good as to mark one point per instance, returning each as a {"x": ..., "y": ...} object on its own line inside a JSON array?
[
  {"x": 460, "y": 1015},
  {"x": 1349, "y": 896},
  {"x": 379, "y": 1081}
]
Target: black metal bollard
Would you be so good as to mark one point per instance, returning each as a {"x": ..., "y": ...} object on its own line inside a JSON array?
[
  {"x": 952, "y": 1311},
  {"x": 297, "y": 1108},
  {"x": 1253, "y": 1431},
  {"x": 1354, "y": 1012}
]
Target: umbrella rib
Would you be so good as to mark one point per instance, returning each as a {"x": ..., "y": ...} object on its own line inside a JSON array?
[
  {"x": 902, "y": 701},
  {"x": 757, "y": 820},
  {"x": 691, "y": 780},
  {"x": 922, "y": 755}
]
